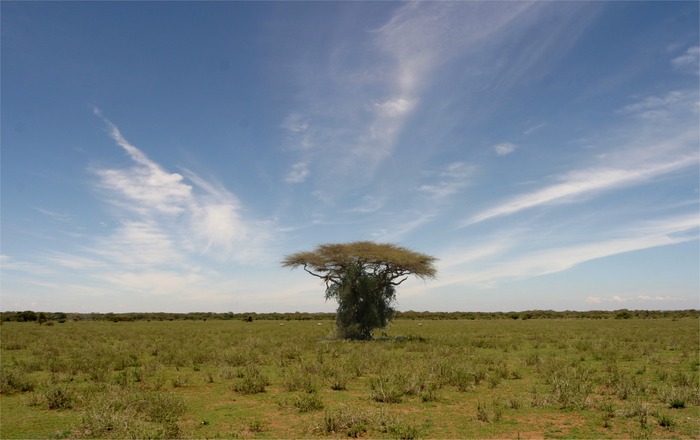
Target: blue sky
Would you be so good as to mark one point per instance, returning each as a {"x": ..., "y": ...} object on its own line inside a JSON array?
[{"x": 165, "y": 156}]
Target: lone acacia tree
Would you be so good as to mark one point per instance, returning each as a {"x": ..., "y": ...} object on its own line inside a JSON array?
[{"x": 362, "y": 276}]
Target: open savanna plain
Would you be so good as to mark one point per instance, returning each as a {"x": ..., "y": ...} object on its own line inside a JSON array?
[{"x": 507, "y": 378}]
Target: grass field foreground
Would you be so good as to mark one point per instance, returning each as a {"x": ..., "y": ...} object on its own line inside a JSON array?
[{"x": 563, "y": 378}]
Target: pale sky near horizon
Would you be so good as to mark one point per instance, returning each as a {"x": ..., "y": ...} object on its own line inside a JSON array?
[{"x": 165, "y": 156}]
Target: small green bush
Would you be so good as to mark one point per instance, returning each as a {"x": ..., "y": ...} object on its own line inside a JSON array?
[
  {"x": 308, "y": 402},
  {"x": 120, "y": 413},
  {"x": 299, "y": 378},
  {"x": 256, "y": 425},
  {"x": 404, "y": 431},
  {"x": 13, "y": 380},
  {"x": 387, "y": 388},
  {"x": 251, "y": 382},
  {"x": 677, "y": 403},
  {"x": 489, "y": 413},
  {"x": 664, "y": 420},
  {"x": 57, "y": 397},
  {"x": 347, "y": 420}
]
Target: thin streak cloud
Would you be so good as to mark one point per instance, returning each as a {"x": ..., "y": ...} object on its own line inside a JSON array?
[
  {"x": 581, "y": 183},
  {"x": 645, "y": 235}
]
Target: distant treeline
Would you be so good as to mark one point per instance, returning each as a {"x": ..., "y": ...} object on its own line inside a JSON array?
[{"x": 60, "y": 317}]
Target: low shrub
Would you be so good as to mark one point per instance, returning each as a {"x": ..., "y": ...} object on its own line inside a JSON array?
[
  {"x": 256, "y": 425},
  {"x": 57, "y": 397},
  {"x": 389, "y": 388},
  {"x": 251, "y": 382},
  {"x": 664, "y": 420},
  {"x": 346, "y": 420},
  {"x": 299, "y": 378},
  {"x": 308, "y": 402},
  {"x": 119, "y": 413},
  {"x": 489, "y": 413},
  {"x": 13, "y": 380},
  {"x": 404, "y": 431}
]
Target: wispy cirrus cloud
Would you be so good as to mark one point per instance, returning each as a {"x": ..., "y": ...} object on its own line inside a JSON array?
[
  {"x": 165, "y": 211},
  {"x": 450, "y": 180},
  {"x": 658, "y": 107},
  {"x": 12, "y": 264},
  {"x": 689, "y": 61},
  {"x": 166, "y": 222},
  {"x": 172, "y": 230},
  {"x": 580, "y": 183},
  {"x": 356, "y": 122},
  {"x": 369, "y": 203},
  {"x": 298, "y": 173},
  {"x": 534, "y": 128},
  {"x": 505, "y": 148},
  {"x": 667, "y": 144},
  {"x": 145, "y": 186},
  {"x": 476, "y": 268},
  {"x": 57, "y": 216},
  {"x": 440, "y": 186},
  {"x": 403, "y": 223}
]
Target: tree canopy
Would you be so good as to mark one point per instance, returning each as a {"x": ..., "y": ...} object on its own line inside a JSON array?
[
  {"x": 391, "y": 263},
  {"x": 362, "y": 277}
]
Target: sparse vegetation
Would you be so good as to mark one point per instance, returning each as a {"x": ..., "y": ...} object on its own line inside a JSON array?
[{"x": 582, "y": 378}]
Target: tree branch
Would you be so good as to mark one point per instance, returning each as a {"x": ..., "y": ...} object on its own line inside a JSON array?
[{"x": 395, "y": 283}]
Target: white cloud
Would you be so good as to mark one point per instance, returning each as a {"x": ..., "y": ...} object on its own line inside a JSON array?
[
  {"x": 369, "y": 204},
  {"x": 661, "y": 139},
  {"x": 534, "y": 128},
  {"x": 154, "y": 282},
  {"x": 296, "y": 123},
  {"x": 394, "y": 107},
  {"x": 213, "y": 225},
  {"x": 459, "y": 256},
  {"x": 217, "y": 224},
  {"x": 504, "y": 148},
  {"x": 652, "y": 161},
  {"x": 656, "y": 298},
  {"x": 8, "y": 263},
  {"x": 137, "y": 245},
  {"x": 166, "y": 222},
  {"x": 421, "y": 36},
  {"x": 689, "y": 61},
  {"x": 150, "y": 189},
  {"x": 298, "y": 173},
  {"x": 70, "y": 261},
  {"x": 452, "y": 179},
  {"x": 355, "y": 105},
  {"x": 626, "y": 299},
  {"x": 531, "y": 263},
  {"x": 146, "y": 186},
  {"x": 580, "y": 183},
  {"x": 162, "y": 211},
  {"x": 57, "y": 216},
  {"x": 660, "y": 107},
  {"x": 353, "y": 118},
  {"x": 401, "y": 227}
]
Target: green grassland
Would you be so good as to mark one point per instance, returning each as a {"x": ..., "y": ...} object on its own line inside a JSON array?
[{"x": 536, "y": 378}]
